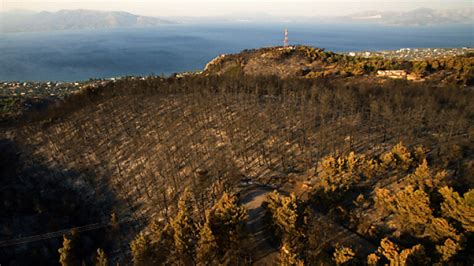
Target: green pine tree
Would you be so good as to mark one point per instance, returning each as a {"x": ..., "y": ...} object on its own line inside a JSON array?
[
  {"x": 207, "y": 245},
  {"x": 101, "y": 259},
  {"x": 457, "y": 208},
  {"x": 228, "y": 220},
  {"x": 185, "y": 230},
  {"x": 141, "y": 250},
  {"x": 343, "y": 255},
  {"x": 65, "y": 254}
]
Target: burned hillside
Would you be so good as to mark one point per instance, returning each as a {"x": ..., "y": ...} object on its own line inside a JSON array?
[{"x": 160, "y": 160}]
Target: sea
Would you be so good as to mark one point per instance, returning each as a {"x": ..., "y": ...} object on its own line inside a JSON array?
[{"x": 85, "y": 54}]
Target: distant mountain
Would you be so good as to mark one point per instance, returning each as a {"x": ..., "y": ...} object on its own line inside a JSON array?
[
  {"x": 18, "y": 21},
  {"x": 422, "y": 16}
]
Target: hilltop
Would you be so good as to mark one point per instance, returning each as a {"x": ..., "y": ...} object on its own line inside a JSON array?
[
  {"x": 310, "y": 62},
  {"x": 181, "y": 170}
]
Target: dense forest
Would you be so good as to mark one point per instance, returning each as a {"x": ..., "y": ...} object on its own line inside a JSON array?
[{"x": 241, "y": 169}]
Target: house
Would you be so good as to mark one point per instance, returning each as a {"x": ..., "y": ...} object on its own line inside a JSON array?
[{"x": 394, "y": 74}]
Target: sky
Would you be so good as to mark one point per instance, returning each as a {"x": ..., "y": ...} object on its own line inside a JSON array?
[{"x": 198, "y": 8}]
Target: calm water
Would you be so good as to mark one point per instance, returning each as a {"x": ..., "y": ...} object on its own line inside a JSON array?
[{"x": 79, "y": 55}]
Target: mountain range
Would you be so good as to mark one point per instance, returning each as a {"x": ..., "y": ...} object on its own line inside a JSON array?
[
  {"x": 23, "y": 21},
  {"x": 417, "y": 17},
  {"x": 27, "y": 21}
]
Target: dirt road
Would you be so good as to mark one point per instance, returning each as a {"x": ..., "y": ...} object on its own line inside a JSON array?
[{"x": 264, "y": 251}]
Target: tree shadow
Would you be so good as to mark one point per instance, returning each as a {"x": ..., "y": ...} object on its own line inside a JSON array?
[{"x": 37, "y": 198}]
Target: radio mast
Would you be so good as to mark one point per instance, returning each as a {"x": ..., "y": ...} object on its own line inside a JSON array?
[{"x": 286, "y": 42}]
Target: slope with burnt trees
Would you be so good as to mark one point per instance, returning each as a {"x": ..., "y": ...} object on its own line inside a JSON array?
[{"x": 137, "y": 147}]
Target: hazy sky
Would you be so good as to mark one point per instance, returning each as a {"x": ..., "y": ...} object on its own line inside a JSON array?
[{"x": 235, "y": 7}]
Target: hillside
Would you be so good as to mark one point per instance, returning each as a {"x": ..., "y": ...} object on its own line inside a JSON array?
[
  {"x": 310, "y": 62},
  {"x": 74, "y": 20},
  {"x": 181, "y": 170}
]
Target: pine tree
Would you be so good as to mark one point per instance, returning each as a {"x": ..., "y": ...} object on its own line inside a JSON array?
[
  {"x": 412, "y": 212},
  {"x": 352, "y": 162},
  {"x": 397, "y": 158},
  {"x": 288, "y": 255},
  {"x": 101, "y": 259},
  {"x": 423, "y": 177},
  {"x": 228, "y": 220},
  {"x": 383, "y": 200},
  {"x": 65, "y": 256},
  {"x": 207, "y": 245},
  {"x": 411, "y": 208},
  {"x": 469, "y": 197},
  {"x": 328, "y": 173},
  {"x": 164, "y": 246},
  {"x": 185, "y": 230},
  {"x": 273, "y": 200},
  {"x": 439, "y": 229},
  {"x": 286, "y": 216},
  {"x": 448, "y": 250},
  {"x": 388, "y": 160},
  {"x": 420, "y": 153},
  {"x": 455, "y": 207},
  {"x": 370, "y": 168},
  {"x": 337, "y": 175},
  {"x": 372, "y": 259},
  {"x": 412, "y": 256},
  {"x": 141, "y": 250},
  {"x": 343, "y": 255},
  {"x": 402, "y": 155},
  {"x": 290, "y": 223},
  {"x": 390, "y": 251}
]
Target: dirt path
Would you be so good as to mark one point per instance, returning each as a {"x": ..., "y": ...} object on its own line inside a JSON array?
[{"x": 264, "y": 251}]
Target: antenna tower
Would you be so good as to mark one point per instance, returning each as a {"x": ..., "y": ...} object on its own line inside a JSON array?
[{"x": 286, "y": 42}]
